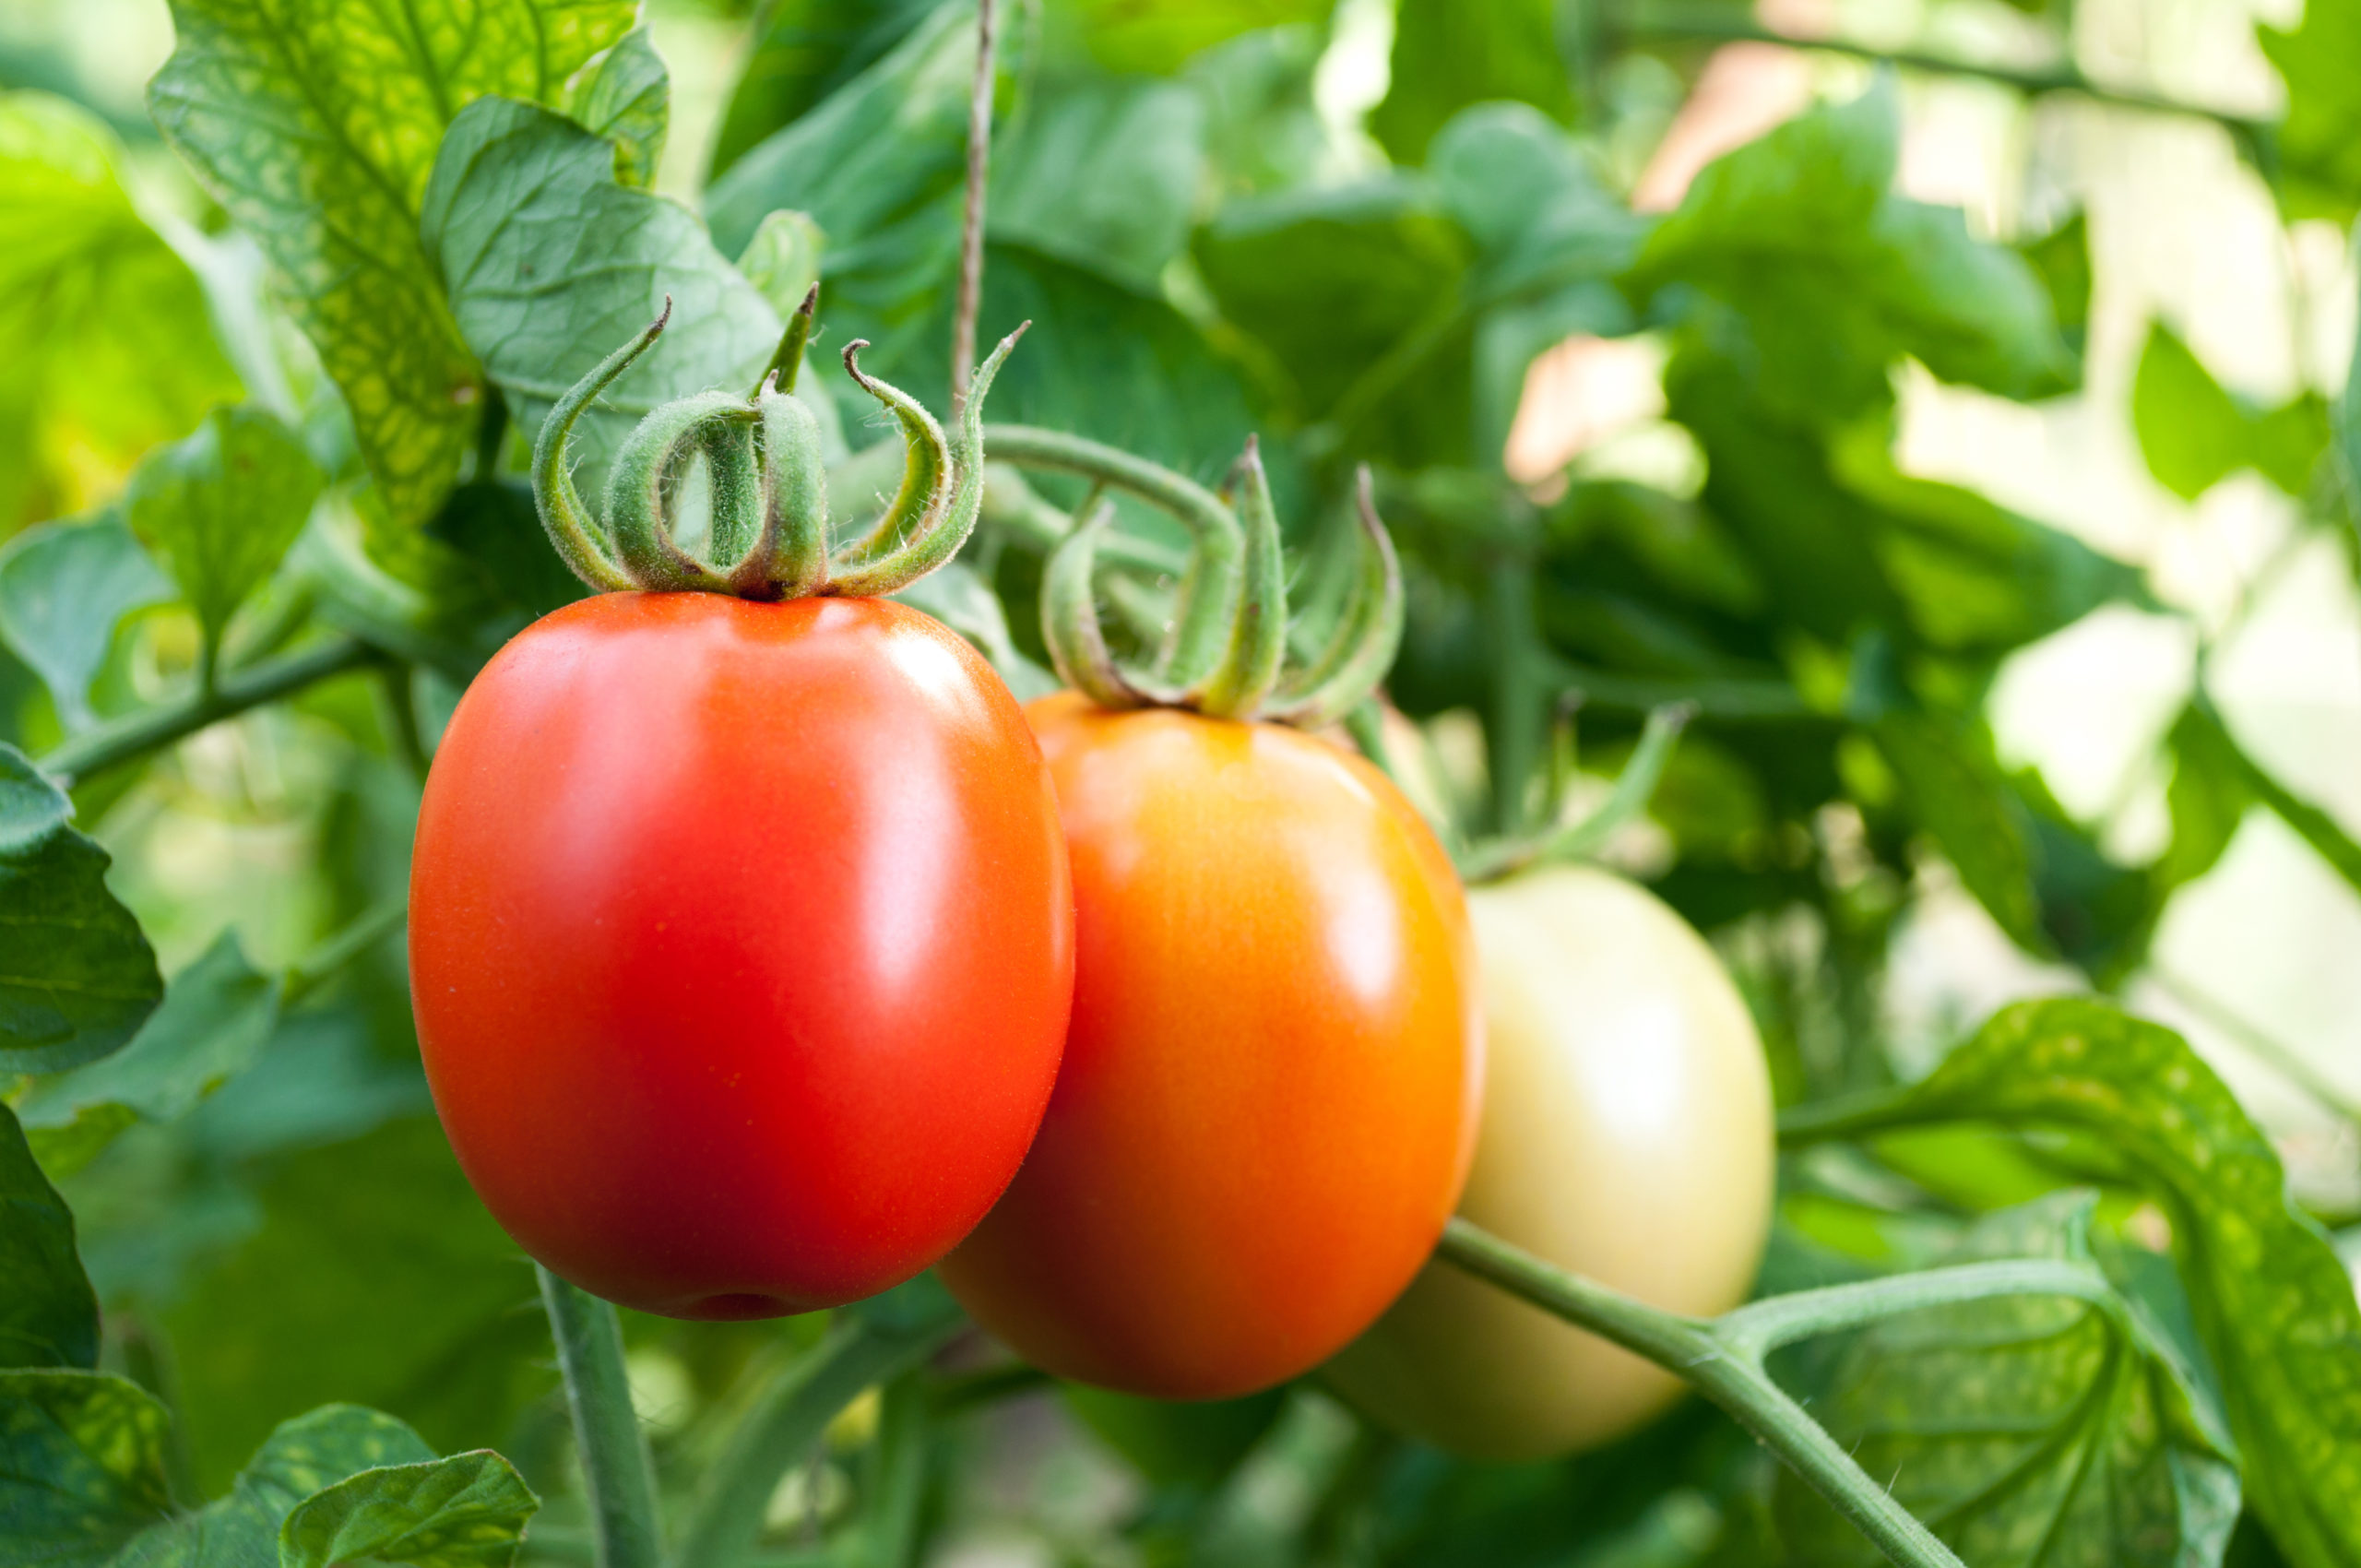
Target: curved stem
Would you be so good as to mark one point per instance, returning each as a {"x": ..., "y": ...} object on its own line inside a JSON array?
[
  {"x": 1201, "y": 606},
  {"x": 1759, "y": 1327},
  {"x": 1069, "y": 625},
  {"x": 153, "y": 728},
  {"x": 1258, "y": 635},
  {"x": 971, "y": 221},
  {"x": 1633, "y": 787},
  {"x": 1721, "y": 1368},
  {"x": 606, "y": 1433},
  {"x": 926, "y": 463},
  {"x": 322, "y": 963},
  {"x": 572, "y": 531},
  {"x": 1364, "y": 646},
  {"x": 784, "y": 1424}
]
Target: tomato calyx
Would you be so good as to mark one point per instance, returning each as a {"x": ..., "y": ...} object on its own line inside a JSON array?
[
  {"x": 1224, "y": 650},
  {"x": 768, "y": 537}
]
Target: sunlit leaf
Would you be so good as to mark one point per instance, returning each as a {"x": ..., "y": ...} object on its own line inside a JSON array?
[
  {"x": 77, "y": 978},
  {"x": 625, "y": 95},
  {"x": 222, "y": 505},
  {"x": 316, "y": 124},
  {"x": 2319, "y": 144},
  {"x": 2026, "y": 1430},
  {"x": 87, "y": 293}
]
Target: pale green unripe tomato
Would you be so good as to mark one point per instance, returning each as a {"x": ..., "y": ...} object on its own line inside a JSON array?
[{"x": 1627, "y": 1135}]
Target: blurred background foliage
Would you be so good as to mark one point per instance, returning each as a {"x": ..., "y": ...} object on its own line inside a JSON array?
[{"x": 1960, "y": 440}]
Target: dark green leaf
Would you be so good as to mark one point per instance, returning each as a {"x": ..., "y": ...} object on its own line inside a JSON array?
[
  {"x": 2274, "y": 1304},
  {"x": 375, "y": 1277},
  {"x": 465, "y": 1512},
  {"x": 63, "y": 588},
  {"x": 1957, "y": 793},
  {"x": 300, "y": 1459},
  {"x": 2026, "y": 1430},
  {"x": 222, "y": 507},
  {"x": 551, "y": 266},
  {"x": 2319, "y": 144},
  {"x": 81, "y": 1466},
  {"x": 626, "y": 96},
  {"x": 48, "y": 1315},
  {"x": 1176, "y": 1444},
  {"x": 1448, "y": 55},
  {"x": 2191, "y": 431},
  {"x": 87, "y": 293},
  {"x": 316, "y": 124},
  {"x": 493, "y": 524},
  {"x": 888, "y": 144},
  {"x": 1103, "y": 174},
  {"x": 216, "y": 1017},
  {"x": 806, "y": 50},
  {"x": 77, "y": 978}
]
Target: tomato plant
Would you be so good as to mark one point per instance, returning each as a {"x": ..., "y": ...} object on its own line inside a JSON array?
[
  {"x": 1626, "y": 1136},
  {"x": 1856, "y": 500}
]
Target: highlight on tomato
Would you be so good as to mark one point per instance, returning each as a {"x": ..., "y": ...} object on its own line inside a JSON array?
[
  {"x": 741, "y": 930},
  {"x": 1628, "y": 1137},
  {"x": 1268, "y": 1098}
]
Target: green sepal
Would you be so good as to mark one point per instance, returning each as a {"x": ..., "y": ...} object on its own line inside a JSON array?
[
  {"x": 1368, "y": 636},
  {"x": 648, "y": 465},
  {"x": 573, "y": 533},
  {"x": 790, "y": 557},
  {"x": 1258, "y": 631},
  {"x": 1070, "y": 626},
  {"x": 926, "y": 468}
]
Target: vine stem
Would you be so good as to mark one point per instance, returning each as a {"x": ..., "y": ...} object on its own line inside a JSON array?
[
  {"x": 1724, "y": 1358},
  {"x": 1677, "y": 24},
  {"x": 788, "y": 1420},
  {"x": 151, "y": 729},
  {"x": 615, "y": 1465},
  {"x": 971, "y": 221}
]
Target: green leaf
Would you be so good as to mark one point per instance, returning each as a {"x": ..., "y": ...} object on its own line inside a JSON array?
[
  {"x": 1158, "y": 36},
  {"x": 1957, "y": 793},
  {"x": 551, "y": 266},
  {"x": 1448, "y": 55},
  {"x": 300, "y": 1459},
  {"x": 49, "y": 1317},
  {"x": 369, "y": 1273},
  {"x": 2319, "y": 144},
  {"x": 217, "y": 1014},
  {"x": 887, "y": 146},
  {"x": 2026, "y": 1430},
  {"x": 1103, "y": 173},
  {"x": 2273, "y": 1303},
  {"x": 783, "y": 258},
  {"x": 64, "y": 588},
  {"x": 221, "y": 507},
  {"x": 1831, "y": 277},
  {"x": 2062, "y": 259},
  {"x": 465, "y": 1512},
  {"x": 807, "y": 49},
  {"x": 2191, "y": 431},
  {"x": 2201, "y": 734},
  {"x": 81, "y": 1466},
  {"x": 316, "y": 124},
  {"x": 625, "y": 95},
  {"x": 77, "y": 978},
  {"x": 88, "y": 294}
]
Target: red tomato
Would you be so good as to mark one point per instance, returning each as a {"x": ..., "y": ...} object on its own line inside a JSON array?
[
  {"x": 742, "y": 946},
  {"x": 1269, "y": 1097}
]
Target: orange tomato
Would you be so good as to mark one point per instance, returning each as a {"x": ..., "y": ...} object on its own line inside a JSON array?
[{"x": 1268, "y": 1100}]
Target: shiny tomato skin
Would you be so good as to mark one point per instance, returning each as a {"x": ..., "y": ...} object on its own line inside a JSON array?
[
  {"x": 1627, "y": 1135},
  {"x": 1267, "y": 1103},
  {"x": 740, "y": 945}
]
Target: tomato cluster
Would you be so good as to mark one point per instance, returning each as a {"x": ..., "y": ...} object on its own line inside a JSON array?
[{"x": 766, "y": 953}]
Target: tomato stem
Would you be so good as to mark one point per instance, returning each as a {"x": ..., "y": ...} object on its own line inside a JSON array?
[
  {"x": 1633, "y": 788},
  {"x": 1727, "y": 1368},
  {"x": 616, "y": 1466},
  {"x": 788, "y": 1420}
]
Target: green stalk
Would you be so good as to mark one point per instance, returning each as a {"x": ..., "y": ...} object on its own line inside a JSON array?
[
  {"x": 782, "y": 1427},
  {"x": 1724, "y": 1359},
  {"x": 1633, "y": 788},
  {"x": 606, "y": 1433},
  {"x": 153, "y": 728}
]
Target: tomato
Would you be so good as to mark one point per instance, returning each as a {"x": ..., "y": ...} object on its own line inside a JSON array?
[
  {"x": 742, "y": 945},
  {"x": 1269, "y": 1094},
  {"x": 1627, "y": 1136}
]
